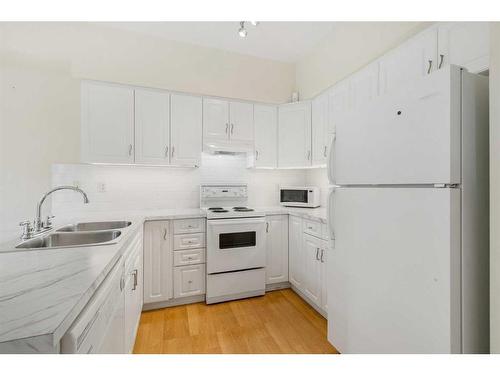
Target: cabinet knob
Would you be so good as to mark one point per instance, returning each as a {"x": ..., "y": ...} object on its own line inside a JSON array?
[{"x": 190, "y": 281}]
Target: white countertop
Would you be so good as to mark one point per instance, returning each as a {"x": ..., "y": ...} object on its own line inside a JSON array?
[{"x": 43, "y": 291}]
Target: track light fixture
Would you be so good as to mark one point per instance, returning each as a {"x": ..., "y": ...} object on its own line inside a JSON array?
[{"x": 242, "y": 32}]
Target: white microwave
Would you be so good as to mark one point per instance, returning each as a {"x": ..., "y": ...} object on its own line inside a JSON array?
[{"x": 302, "y": 196}]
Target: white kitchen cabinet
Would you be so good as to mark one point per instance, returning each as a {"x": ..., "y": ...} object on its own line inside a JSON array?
[
  {"x": 266, "y": 136},
  {"x": 338, "y": 104},
  {"x": 294, "y": 129},
  {"x": 320, "y": 129},
  {"x": 363, "y": 86},
  {"x": 107, "y": 128},
  {"x": 152, "y": 126},
  {"x": 464, "y": 44},
  {"x": 186, "y": 129},
  {"x": 215, "y": 119},
  {"x": 157, "y": 261},
  {"x": 227, "y": 123},
  {"x": 133, "y": 292},
  {"x": 296, "y": 252},
  {"x": 276, "y": 249},
  {"x": 410, "y": 61},
  {"x": 312, "y": 268},
  {"x": 241, "y": 122},
  {"x": 324, "y": 275},
  {"x": 189, "y": 280}
]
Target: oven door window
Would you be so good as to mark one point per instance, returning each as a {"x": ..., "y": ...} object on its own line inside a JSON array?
[
  {"x": 239, "y": 239},
  {"x": 293, "y": 196}
]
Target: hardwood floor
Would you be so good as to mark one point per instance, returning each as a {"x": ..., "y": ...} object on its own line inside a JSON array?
[{"x": 279, "y": 322}]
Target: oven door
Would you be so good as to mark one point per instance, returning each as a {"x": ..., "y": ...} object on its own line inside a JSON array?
[{"x": 235, "y": 244}]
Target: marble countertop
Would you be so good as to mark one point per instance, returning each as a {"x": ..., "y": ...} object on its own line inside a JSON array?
[{"x": 43, "y": 291}]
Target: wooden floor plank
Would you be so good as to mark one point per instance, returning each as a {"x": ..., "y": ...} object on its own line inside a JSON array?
[{"x": 279, "y": 322}]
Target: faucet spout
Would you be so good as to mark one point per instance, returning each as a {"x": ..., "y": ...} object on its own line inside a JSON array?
[{"x": 38, "y": 218}]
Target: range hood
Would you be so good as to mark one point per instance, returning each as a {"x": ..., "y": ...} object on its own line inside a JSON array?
[{"x": 226, "y": 148}]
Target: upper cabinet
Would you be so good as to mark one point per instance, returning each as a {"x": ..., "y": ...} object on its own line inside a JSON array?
[
  {"x": 241, "y": 122},
  {"x": 294, "y": 129},
  {"x": 227, "y": 123},
  {"x": 185, "y": 129},
  {"x": 412, "y": 60},
  {"x": 266, "y": 136},
  {"x": 107, "y": 128},
  {"x": 122, "y": 124},
  {"x": 338, "y": 103},
  {"x": 363, "y": 87},
  {"x": 152, "y": 126},
  {"x": 320, "y": 129},
  {"x": 215, "y": 119},
  {"x": 465, "y": 44}
]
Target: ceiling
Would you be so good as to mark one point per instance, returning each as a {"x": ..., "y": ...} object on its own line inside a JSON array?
[{"x": 281, "y": 41}]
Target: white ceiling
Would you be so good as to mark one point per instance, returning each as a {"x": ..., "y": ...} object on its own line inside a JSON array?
[{"x": 282, "y": 41}]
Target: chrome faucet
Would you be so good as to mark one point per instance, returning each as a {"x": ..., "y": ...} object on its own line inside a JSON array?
[{"x": 39, "y": 224}]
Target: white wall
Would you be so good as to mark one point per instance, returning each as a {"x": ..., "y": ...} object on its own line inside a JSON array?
[
  {"x": 135, "y": 188},
  {"x": 41, "y": 65},
  {"x": 349, "y": 47},
  {"x": 495, "y": 187}
]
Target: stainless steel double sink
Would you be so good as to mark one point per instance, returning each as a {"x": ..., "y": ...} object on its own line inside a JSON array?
[{"x": 78, "y": 234}]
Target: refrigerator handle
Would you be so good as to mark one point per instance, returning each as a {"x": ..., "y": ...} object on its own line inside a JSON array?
[
  {"x": 330, "y": 213},
  {"x": 331, "y": 160}
]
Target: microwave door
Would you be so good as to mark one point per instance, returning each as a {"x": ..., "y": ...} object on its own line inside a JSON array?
[{"x": 294, "y": 196}]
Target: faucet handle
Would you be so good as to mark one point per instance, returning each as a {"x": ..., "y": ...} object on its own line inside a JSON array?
[
  {"x": 27, "y": 229},
  {"x": 48, "y": 222}
]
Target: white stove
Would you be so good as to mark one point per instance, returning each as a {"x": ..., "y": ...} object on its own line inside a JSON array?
[{"x": 236, "y": 243}]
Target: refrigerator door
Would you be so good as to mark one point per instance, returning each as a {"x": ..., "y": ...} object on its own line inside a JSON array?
[
  {"x": 394, "y": 274},
  {"x": 408, "y": 137}
]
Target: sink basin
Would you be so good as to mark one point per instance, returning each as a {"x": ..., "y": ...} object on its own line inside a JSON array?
[
  {"x": 70, "y": 239},
  {"x": 94, "y": 226}
]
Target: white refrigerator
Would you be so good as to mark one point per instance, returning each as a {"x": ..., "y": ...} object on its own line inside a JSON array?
[{"x": 408, "y": 213}]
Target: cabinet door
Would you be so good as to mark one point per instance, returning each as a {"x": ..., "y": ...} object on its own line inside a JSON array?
[
  {"x": 215, "y": 119},
  {"x": 157, "y": 261},
  {"x": 276, "y": 249},
  {"x": 407, "y": 63},
  {"x": 241, "y": 122},
  {"x": 312, "y": 268},
  {"x": 296, "y": 253},
  {"x": 324, "y": 276},
  {"x": 266, "y": 136},
  {"x": 186, "y": 129},
  {"x": 294, "y": 129},
  {"x": 107, "y": 127},
  {"x": 464, "y": 44},
  {"x": 338, "y": 104},
  {"x": 363, "y": 86},
  {"x": 189, "y": 280},
  {"x": 320, "y": 129},
  {"x": 152, "y": 135},
  {"x": 133, "y": 300}
]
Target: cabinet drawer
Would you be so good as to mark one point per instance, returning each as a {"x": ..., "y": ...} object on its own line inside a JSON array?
[
  {"x": 313, "y": 228},
  {"x": 189, "y": 226},
  {"x": 189, "y": 280},
  {"x": 187, "y": 257},
  {"x": 189, "y": 241}
]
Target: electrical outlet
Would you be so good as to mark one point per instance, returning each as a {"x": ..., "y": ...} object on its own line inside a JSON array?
[{"x": 101, "y": 187}]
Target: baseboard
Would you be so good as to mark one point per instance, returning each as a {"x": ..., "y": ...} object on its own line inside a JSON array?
[
  {"x": 278, "y": 286},
  {"x": 173, "y": 302},
  {"x": 322, "y": 312}
]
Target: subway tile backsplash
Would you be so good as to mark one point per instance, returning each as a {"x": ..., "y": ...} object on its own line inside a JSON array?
[{"x": 118, "y": 188}]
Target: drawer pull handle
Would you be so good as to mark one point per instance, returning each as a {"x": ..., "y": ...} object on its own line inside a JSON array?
[
  {"x": 317, "y": 253},
  {"x": 322, "y": 253},
  {"x": 190, "y": 281},
  {"x": 134, "y": 273},
  {"x": 164, "y": 233}
]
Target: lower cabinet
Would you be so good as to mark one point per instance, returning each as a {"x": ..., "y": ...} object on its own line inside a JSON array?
[
  {"x": 133, "y": 293},
  {"x": 312, "y": 268},
  {"x": 158, "y": 283},
  {"x": 189, "y": 280},
  {"x": 308, "y": 255},
  {"x": 276, "y": 249},
  {"x": 174, "y": 260}
]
